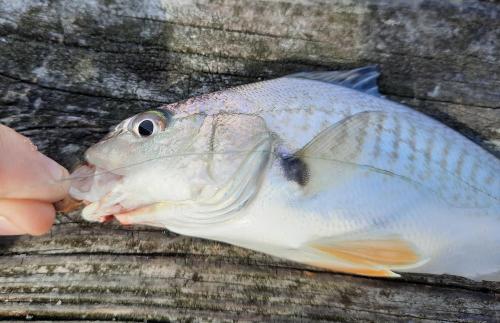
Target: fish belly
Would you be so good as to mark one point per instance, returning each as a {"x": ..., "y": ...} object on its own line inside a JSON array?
[{"x": 282, "y": 221}]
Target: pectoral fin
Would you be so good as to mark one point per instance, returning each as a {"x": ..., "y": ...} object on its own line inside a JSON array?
[{"x": 367, "y": 256}]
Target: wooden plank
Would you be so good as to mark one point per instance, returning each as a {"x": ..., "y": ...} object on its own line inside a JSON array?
[{"x": 70, "y": 70}]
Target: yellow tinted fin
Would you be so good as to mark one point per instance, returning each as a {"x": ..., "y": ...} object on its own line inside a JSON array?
[
  {"x": 368, "y": 256},
  {"x": 391, "y": 252}
]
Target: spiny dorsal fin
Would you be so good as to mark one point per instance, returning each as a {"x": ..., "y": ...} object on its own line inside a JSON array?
[{"x": 363, "y": 79}]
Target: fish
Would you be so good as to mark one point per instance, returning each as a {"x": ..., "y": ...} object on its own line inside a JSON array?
[{"x": 315, "y": 167}]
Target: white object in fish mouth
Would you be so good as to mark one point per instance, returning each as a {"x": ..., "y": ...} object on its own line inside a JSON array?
[
  {"x": 90, "y": 184},
  {"x": 315, "y": 167}
]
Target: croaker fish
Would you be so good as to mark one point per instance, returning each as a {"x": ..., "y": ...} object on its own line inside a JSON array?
[{"x": 314, "y": 167}]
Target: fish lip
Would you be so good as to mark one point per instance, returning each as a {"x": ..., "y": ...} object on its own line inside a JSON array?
[
  {"x": 123, "y": 217},
  {"x": 91, "y": 183},
  {"x": 87, "y": 175},
  {"x": 93, "y": 186},
  {"x": 124, "y": 214}
]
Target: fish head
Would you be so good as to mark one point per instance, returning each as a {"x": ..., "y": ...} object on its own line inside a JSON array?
[
  {"x": 145, "y": 160},
  {"x": 184, "y": 171}
]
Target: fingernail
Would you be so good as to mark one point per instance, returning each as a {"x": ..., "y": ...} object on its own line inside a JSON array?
[
  {"x": 55, "y": 170},
  {"x": 7, "y": 228}
]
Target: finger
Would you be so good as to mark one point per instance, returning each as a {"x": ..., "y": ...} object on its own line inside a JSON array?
[
  {"x": 25, "y": 173},
  {"x": 25, "y": 217}
]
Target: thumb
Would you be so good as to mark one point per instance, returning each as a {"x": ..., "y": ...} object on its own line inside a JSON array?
[{"x": 25, "y": 173}]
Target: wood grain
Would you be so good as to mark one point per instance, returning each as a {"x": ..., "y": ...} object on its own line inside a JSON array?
[{"x": 71, "y": 69}]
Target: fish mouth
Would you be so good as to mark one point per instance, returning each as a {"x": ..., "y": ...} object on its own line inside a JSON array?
[
  {"x": 100, "y": 191},
  {"x": 93, "y": 187}
]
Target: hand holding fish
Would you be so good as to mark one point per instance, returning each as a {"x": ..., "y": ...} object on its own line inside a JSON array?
[{"x": 29, "y": 183}]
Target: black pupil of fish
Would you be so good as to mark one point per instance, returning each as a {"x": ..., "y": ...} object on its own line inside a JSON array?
[{"x": 146, "y": 128}]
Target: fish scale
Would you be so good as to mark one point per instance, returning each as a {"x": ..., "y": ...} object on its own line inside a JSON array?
[
  {"x": 315, "y": 167},
  {"x": 437, "y": 154}
]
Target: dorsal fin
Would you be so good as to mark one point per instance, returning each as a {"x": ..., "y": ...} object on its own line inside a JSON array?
[{"x": 363, "y": 79}]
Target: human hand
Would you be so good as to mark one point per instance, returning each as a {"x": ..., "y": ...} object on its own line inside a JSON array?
[{"x": 29, "y": 184}]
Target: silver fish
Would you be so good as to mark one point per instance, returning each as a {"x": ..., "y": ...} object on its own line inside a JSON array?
[{"x": 315, "y": 167}]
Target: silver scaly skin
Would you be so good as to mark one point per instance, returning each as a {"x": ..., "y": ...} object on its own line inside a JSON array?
[{"x": 314, "y": 167}]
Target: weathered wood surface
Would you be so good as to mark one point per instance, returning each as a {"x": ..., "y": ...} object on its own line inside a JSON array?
[{"x": 71, "y": 69}]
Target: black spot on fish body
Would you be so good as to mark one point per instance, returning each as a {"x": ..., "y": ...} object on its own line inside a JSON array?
[{"x": 295, "y": 169}]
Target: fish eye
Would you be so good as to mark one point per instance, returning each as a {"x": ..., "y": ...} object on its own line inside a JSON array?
[
  {"x": 146, "y": 128},
  {"x": 149, "y": 123}
]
